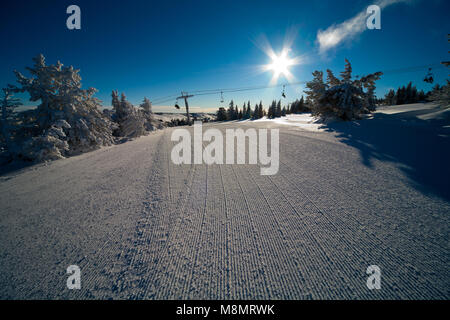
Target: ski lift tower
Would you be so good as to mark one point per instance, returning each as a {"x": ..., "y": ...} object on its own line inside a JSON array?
[{"x": 186, "y": 96}]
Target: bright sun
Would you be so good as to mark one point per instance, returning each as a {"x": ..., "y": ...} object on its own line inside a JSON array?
[{"x": 280, "y": 65}]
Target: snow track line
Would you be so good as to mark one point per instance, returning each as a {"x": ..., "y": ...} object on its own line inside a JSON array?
[
  {"x": 301, "y": 287},
  {"x": 198, "y": 244},
  {"x": 328, "y": 274},
  {"x": 172, "y": 211},
  {"x": 227, "y": 239},
  {"x": 267, "y": 285},
  {"x": 177, "y": 260},
  {"x": 247, "y": 267},
  {"x": 148, "y": 232},
  {"x": 156, "y": 285}
]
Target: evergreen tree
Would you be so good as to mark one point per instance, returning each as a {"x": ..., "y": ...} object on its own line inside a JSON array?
[
  {"x": 68, "y": 119},
  {"x": 389, "y": 98},
  {"x": 346, "y": 75},
  {"x": 421, "y": 97},
  {"x": 256, "y": 112},
  {"x": 8, "y": 104},
  {"x": 331, "y": 79},
  {"x": 131, "y": 122},
  {"x": 147, "y": 114},
  {"x": 316, "y": 89},
  {"x": 301, "y": 105},
  {"x": 441, "y": 95},
  {"x": 278, "y": 109},
  {"x": 248, "y": 111},
  {"x": 222, "y": 114},
  {"x": 368, "y": 82},
  {"x": 231, "y": 111},
  {"x": 146, "y": 106}
]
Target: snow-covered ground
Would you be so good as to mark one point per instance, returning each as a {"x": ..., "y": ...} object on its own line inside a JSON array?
[
  {"x": 304, "y": 121},
  {"x": 369, "y": 192}
]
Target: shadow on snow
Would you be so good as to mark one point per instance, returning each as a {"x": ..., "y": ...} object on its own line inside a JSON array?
[{"x": 420, "y": 148}]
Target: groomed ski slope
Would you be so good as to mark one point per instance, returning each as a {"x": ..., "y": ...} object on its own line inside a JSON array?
[{"x": 369, "y": 192}]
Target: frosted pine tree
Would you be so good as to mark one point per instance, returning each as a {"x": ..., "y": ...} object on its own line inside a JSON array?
[
  {"x": 344, "y": 98},
  {"x": 130, "y": 121},
  {"x": 147, "y": 114},
  {"x": 68, "y": 119}
]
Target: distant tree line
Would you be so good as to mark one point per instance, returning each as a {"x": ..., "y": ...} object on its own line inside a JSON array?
[
  {"x": 275, "y": 110},
  {"x": 410, "y": 94}
]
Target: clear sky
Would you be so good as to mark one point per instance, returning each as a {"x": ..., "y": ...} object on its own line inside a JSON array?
[{"x": 158, "y": 48}]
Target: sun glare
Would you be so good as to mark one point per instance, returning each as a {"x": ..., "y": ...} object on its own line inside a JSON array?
[{"x": 280, "y": 65}]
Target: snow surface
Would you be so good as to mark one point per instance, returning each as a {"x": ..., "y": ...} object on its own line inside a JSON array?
[
  {"x": 374, "y": 191},
  {"x": 304, "y": 121}
]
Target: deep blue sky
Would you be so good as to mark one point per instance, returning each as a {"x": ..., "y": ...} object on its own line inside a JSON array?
[{"x": 154, "y": 49}]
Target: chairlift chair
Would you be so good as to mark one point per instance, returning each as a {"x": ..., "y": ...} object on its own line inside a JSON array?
[
  {"x": 429, "y": 77},
  {"x": 283, "y": 94}
]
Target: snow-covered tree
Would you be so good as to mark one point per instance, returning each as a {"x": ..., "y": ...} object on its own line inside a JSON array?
[
  {"x": 146, "y": 105},
  {"x": 68, "y": 119},
  {"x": 131, "y": 123},
  {"x": 345, "y": 99},
  {"x": 147, "y": 114}
]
